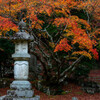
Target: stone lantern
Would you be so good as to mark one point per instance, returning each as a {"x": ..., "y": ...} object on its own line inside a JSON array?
[{"x": 20, "y": 88}]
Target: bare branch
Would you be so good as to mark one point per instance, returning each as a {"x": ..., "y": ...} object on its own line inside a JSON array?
[
  {"x": 45, "y": 30},
  {"x": 72, "y": 65}
]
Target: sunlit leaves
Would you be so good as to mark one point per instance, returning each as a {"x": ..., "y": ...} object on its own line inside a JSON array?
[
  {"x": 6, "y": 25},
  {"x": 55, "y": 12},
  {"x": 82, "y": 53},
  {"x": 95, "y": 53},
  {"x": 63, "y": 46},
  {"x": 52, "y": 44}
]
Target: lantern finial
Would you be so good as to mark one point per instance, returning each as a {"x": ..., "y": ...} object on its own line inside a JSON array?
[{"x": 22, "y": 26}]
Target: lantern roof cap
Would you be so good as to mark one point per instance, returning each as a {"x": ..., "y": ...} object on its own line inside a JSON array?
[{"x": 22, "y": 35}]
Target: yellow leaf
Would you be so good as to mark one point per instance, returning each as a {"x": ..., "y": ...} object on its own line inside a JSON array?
[
  {"x": 52, "y": 44},
  {"x": 84, "y": 53}
]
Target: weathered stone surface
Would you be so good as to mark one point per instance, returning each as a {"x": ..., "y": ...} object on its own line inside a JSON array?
[
  {"x": 15, "y": 98},
  {"x": 21, "y": 70},
  {"x": 20, "y": 85},
  {"x": 22, "y": 35},
  {"x": 21, "y": 50},
  {"x": 21, "y": 47},
  {"x": 20, "y": 89},
  {"x": 74, "y": 98},
  {"x": 20, "y": 93},
  {"x": 21, "y": 56},
  {"x": 2, "y": 97},
  {"x": 91, "y": 87}
]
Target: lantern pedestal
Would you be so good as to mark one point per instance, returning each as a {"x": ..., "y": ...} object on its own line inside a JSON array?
[{"x": 20, "y": 88}]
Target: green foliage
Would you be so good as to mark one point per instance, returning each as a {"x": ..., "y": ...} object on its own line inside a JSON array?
[
  {"x": 98, "y": 47},
  {"x": 81, "y": 72},
  {"x": 80, "y": 13},
  {"x": 6, "y": 61},
  {"x": 4, "y": 82},
  {"x": 83, "y": 69},
  {"x": 7, "y": 49}
]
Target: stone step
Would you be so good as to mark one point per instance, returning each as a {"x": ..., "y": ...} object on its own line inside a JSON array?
[
  {"x": 15, "y": 98},
  {"x": 95, "y": 77},
  {"x": 20, "y": 93}
]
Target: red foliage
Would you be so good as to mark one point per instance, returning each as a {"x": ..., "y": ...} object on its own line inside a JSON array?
[
  {"x": 6, "y": 24},
  {"x": 19, "y": 1},
  {"x": 70, "y": 24},
  {"x": 95, "y": 53},
  {"x": 63, "y": 45}
]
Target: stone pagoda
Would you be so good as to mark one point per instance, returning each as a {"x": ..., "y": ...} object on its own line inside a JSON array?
[{"x": 20, "y": 88}]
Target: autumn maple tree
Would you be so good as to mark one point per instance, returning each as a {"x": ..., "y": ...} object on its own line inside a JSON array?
[{"x": 60, "y": 35}]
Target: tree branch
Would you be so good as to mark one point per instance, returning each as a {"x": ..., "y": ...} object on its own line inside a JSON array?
[{"x": 72, "y": 65}]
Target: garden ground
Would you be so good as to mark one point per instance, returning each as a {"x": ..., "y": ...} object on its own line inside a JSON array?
[{"x": 75, "y": 91}]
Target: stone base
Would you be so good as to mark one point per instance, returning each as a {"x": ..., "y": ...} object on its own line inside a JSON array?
[
  {"x": 20, "y": 90},
  {"x": 15, "y": 98},
  {"x": 20, "y": 93},
  {"x": 18, "y": 84}
]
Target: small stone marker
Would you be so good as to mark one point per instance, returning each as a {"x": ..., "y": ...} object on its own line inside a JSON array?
[
  {"x": 74, "y": 98},
  {"x": 20, "y": 88}
]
